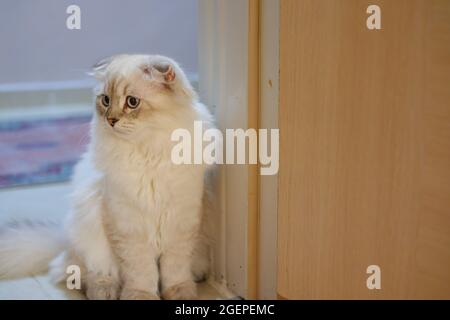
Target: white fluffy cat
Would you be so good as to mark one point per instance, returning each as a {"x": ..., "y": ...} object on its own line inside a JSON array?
[{"x": 135, "y": 228}]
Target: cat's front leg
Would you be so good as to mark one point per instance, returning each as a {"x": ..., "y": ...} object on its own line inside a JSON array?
[
  {"x": 179, "y": 236},
  {"x": 139, "y": 269},
  {"x": 177, "y": 282},
  {"x": 89, "y": 247},
  {"x": 138, "y": 258},
  {"x": 138, "y": 266}
]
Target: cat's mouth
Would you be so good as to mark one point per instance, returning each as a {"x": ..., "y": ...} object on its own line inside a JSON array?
[{"x": 120, "y": 128}]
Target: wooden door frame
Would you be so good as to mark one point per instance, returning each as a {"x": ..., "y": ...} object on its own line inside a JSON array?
[
  {"x": 263, "y": 74},
  {"x": 253, "y": 115}
]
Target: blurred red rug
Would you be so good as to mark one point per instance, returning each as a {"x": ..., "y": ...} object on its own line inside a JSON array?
[{"x": 41, "y": 151}]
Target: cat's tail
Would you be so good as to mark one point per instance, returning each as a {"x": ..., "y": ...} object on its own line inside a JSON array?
[{"x": 27, "y": 247}]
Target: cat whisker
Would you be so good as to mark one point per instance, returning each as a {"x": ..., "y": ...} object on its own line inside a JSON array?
[{"x": 126, "y": 126}]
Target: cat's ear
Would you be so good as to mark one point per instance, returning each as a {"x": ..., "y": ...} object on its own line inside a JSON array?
[
  {"x": 161, "y": 71},
  {"x": 166, "y": 70},
  {"x": 98, "y": 70}
]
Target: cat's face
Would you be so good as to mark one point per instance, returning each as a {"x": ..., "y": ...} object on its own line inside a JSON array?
[{"x": 137, "y": 92}]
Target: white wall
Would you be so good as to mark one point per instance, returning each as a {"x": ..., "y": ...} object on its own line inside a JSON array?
[
  {"x": 36, "y": 46},
  {"x": 223, "y": 87}
]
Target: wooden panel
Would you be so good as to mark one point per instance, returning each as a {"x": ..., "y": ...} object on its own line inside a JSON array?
[
  {"x": 253, "y": 169},
  {"x": 364, "y": 149}
]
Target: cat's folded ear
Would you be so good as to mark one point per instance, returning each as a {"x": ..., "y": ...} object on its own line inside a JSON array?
[
  {"x": 160, "y": 71},
  {"x": 98, "y": 70}
]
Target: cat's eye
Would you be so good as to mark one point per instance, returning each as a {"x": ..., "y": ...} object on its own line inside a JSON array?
[
  {"x": 132, "y": 102},
  {"x": 105, "y": 100}
]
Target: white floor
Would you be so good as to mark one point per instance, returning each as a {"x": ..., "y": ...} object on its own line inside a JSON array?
[{"x": 49, "y": 201}]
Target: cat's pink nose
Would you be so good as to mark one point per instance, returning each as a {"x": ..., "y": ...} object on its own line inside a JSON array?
[{"x": 112, "y": 121}]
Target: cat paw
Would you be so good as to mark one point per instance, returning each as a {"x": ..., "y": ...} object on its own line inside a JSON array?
[
  {"x": 183, "y": 291},
  {"x": 132, "y": 294},
  {"x": 102, "y": 288}
]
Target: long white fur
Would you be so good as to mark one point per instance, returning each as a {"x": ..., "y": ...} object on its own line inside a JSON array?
[
  {"x": 136, "y": 224},
  {"x": 26, "y": 247}
]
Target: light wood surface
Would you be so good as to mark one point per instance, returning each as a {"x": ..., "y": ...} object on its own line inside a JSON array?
[
  {"x": 364, "y": 149},
  {"x": 253, "y": 169}
]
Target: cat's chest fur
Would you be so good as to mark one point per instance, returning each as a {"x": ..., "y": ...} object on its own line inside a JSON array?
[
  {"x": 140, "y": 177},
  {"x": 146, "y": 191}
]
